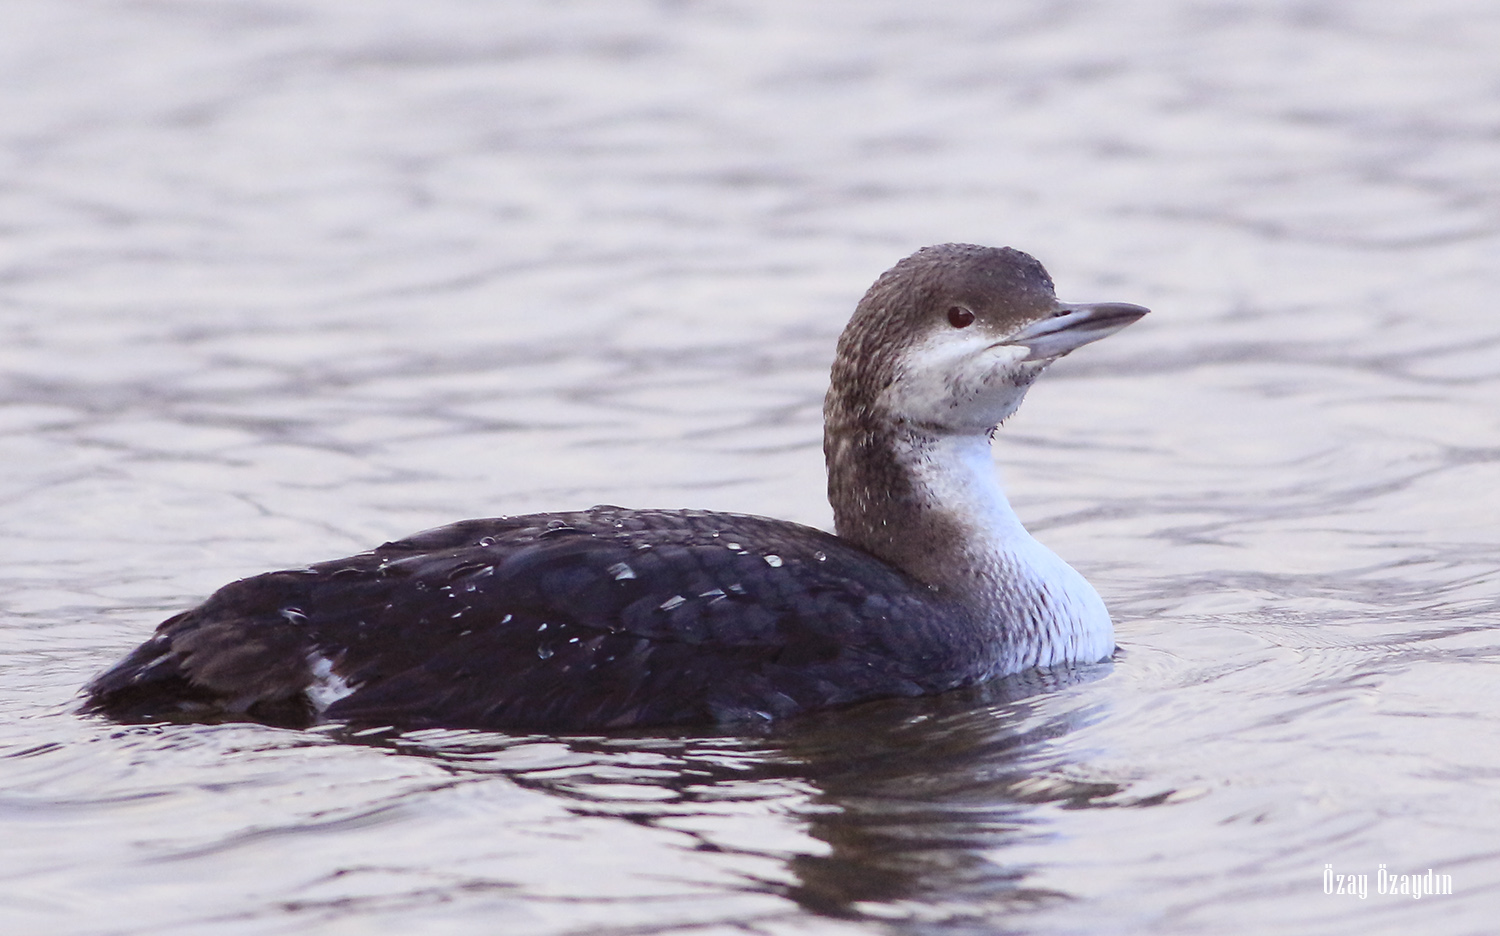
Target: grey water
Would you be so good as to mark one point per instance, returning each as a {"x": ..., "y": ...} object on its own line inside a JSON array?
[{"x": 280, "y": 281}]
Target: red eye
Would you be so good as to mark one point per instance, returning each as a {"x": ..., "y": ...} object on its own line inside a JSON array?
[{"x": 959, "y": 317}]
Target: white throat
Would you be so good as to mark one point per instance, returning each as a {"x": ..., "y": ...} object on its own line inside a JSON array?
[{"x": 1051, "y": 613}]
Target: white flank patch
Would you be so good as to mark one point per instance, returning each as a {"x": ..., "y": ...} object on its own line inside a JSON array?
[{"x": 327, "y": 686}]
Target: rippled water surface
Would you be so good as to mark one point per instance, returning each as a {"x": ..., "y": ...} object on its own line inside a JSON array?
[{"x": 279, "y": 281}]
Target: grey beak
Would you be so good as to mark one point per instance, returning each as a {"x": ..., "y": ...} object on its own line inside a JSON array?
[{"x": 1074, "y": 326}]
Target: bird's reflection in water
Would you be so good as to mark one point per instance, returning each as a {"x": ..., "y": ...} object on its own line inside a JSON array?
[
  {"x": 926, "y": 793},
  {"x": 901, "y": 810}
]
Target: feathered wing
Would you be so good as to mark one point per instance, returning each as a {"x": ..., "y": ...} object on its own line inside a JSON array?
[{"x": 604, "y": 618}]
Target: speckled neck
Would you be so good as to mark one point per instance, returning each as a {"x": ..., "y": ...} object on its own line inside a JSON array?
[
  {"x": 932, "y": 505},
  {"x": 929, "y": 504}
]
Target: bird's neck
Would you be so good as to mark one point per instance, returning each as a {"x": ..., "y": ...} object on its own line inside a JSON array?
[
  {"x": 927, "y": 502},
  {"x": 931, "y": 504}
]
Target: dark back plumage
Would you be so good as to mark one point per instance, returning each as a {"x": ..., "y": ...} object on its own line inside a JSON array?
[{"x": 595, "y": 619}]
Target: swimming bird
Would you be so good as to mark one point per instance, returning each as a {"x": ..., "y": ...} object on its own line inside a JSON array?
[{"x": 610, "y": 618}]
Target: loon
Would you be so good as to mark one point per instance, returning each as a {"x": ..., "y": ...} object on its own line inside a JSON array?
[{"x": 613, "y": 618}]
